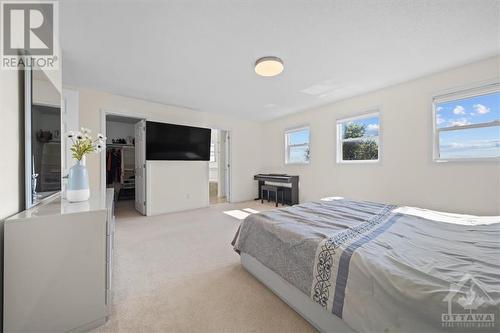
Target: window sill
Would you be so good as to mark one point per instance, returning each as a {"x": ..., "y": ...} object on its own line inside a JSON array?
[
  {"x": 467, "y": 160},
  {"x": 297, "y": 163},
  {"x": 358, "y": 162}
]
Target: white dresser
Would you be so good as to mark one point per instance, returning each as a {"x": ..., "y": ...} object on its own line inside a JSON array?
[{"x": 58, "y": 265}]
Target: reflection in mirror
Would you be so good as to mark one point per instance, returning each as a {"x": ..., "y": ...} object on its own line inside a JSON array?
[{"x": 45, "y": 133}]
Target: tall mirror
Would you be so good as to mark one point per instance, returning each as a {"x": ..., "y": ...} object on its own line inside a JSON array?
[{"x": 43, "y": 137}]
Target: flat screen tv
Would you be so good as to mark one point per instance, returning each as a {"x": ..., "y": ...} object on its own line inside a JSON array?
[{"x": 176, "y": 142}]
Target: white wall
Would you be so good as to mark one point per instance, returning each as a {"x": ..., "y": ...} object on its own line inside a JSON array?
[
  {"x": 246, "y": 145},
  {"x": 11, "y": 146},
  {"x": 45, "y": 93},
  {"x": 118, "y": 130},
  {"x": 406, "y": 175},
  {"x": 176, "y": 185},
  {"x": 70, "y": 122},
  {"x": 11, "y": 141}
]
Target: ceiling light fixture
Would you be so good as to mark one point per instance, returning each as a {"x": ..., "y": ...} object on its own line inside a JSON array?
[{"x": 269, "y": 66}]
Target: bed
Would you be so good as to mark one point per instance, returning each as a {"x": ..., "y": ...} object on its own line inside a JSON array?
[{"x": 348, "y": 265}]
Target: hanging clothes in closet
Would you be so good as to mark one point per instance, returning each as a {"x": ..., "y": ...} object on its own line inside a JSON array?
[{"x": 113, "y": 165}]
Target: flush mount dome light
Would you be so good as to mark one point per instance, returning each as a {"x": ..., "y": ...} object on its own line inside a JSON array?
[{"x": 269, "y": 66}]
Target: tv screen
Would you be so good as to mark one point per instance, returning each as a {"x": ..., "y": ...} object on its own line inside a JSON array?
[{"x": 177, "y": 142}]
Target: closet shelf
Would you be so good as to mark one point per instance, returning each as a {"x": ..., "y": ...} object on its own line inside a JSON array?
[{"x": 118, "y": 145}]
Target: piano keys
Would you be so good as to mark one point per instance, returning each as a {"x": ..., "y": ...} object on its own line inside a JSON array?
[{"x": 289, "y": 183}]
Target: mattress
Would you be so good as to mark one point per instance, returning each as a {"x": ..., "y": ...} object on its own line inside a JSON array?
[{"x": 383, "y": 268}]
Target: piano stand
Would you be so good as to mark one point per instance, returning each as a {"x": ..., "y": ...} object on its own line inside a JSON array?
[{"x": 288, "y": 184}]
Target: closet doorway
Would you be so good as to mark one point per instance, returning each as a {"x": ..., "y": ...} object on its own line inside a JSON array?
[
  {"x": 124, "y": 162},
  {"x": 219, "y": 167}
]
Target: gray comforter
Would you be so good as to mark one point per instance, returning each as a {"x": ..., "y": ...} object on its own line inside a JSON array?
[{"x": 383, "y": 268}]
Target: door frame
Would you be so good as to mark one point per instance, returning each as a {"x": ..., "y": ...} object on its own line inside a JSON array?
[
  {"x": 227, "y": 151},
  {"x": 102, "y": 162},
  {"x": 228, "y": 157},
  {"x": 140, "y": 165}
]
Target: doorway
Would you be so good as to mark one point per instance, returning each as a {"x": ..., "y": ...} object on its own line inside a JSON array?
[
  {"x": 124, "y": 162},
  {"x": 219, "y": 167}
]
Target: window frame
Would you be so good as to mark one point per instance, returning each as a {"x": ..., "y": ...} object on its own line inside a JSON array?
[
  {"x": 368, "y": 114},
  {"x": 454, "y": 95},
  {"x": 287, "y": 146}
]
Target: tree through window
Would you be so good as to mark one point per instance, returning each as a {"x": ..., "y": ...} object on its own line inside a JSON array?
[{"x": 358, "y": 138}]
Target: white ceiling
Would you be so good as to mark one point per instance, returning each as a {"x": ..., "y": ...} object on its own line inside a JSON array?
[{"x": 200, "y": 54}]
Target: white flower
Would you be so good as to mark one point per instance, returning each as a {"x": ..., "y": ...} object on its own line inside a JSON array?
[
  {"x": 101, "y": 137},
  {"x": 99, "y": 146},
  {"x": 78, "y": 135},
  {"x": 81, "y": 140}
]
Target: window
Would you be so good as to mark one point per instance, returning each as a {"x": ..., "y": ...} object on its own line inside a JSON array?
[
  {"x": 297, "y": 146},
  {"x": 467, "y": 124},
  {"x": 358, "y": 139}
]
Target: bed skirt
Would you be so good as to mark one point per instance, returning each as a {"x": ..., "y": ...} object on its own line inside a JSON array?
[{"x": 302, "y": 304}]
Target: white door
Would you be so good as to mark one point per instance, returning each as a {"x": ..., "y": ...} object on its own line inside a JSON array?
[
  {"x": 221, "y": 163},
  {"x": 140, "y": 166},
  {"x": 227, "y": 166}
]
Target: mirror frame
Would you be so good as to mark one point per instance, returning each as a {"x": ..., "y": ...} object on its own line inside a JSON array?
[
  {"x": 28, "y": 195},
  {"x": 28, "y": 159}
]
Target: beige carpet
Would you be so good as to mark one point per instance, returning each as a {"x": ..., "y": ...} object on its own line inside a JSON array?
[{"x": 178, "y": 273}]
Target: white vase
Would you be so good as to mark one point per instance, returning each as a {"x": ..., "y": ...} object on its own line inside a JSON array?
[{"x": 78, "y": 183}]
